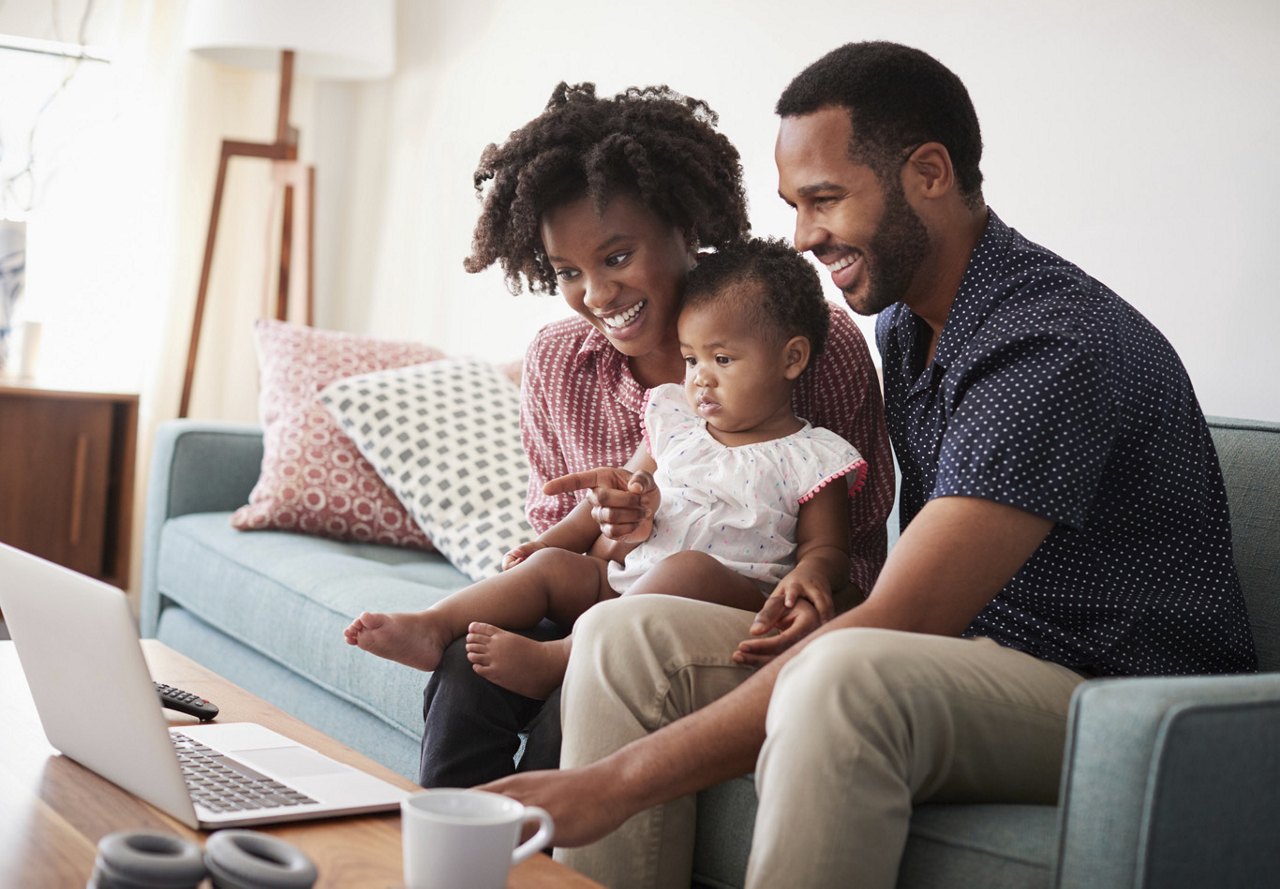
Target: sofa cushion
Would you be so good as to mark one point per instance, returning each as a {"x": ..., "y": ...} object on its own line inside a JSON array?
[
  {"x": 313, "y": 478},
  {"x": 992, "y": 846},
  {"x": 289, "y": 597},
  {"x": 445, "y": 436},
  {"x": 1249, "y": 453}
]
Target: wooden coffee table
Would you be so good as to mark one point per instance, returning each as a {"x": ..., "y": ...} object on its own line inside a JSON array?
[{"x": 53, "y": 811}]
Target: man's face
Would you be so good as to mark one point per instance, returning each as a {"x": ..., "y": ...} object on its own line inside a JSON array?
[{"x": 864, "y": 232}]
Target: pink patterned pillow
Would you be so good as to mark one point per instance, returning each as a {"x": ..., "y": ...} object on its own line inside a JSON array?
[{"x": 314, "y": 480}]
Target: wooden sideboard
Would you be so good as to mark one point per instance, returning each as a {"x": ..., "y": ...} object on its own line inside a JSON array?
[{"x": 66, "y": 476}]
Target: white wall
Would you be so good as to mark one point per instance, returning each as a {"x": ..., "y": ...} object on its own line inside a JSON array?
[{"x": 1135, "y": 137}]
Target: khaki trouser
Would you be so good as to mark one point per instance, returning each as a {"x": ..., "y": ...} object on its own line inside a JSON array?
[{"x": 862, "y": 725}]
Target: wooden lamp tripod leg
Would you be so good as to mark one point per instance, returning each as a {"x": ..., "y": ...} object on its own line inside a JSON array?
[
  {"x": 206, "y": 268},
  {"x": 287, "y": 136},
  {"x": 286, "y": 250},
  {"x": 311, "y": 247},
  {"x": 284, "y": 149}
]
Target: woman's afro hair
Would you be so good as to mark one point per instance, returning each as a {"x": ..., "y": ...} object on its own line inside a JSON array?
[{"x": 650, "y": 142}]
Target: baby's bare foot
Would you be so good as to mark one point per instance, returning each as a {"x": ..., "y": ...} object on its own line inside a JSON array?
[
  {"x": 529, "y": 668},
  {"x": 417, "y": 639}
]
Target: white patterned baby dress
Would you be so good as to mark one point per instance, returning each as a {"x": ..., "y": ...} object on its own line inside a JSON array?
[{"x": 739, "y": 504}]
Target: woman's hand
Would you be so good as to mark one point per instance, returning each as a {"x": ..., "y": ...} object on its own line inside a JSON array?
[
  {"x": 793, "y": 624},
  {"x": 623, "y": 502},
  {"x": 520, "y": 553}
]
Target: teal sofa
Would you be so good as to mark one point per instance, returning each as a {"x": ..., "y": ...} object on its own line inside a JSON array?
[{"x": 1168, "y": 782}]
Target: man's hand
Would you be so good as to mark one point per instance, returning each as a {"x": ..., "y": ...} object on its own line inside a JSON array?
[
  {"x": 577, "y": 800},
  {"x": 623, "y": 502},
  {"x": 518, "y": 554},
  {"x": 793, "y": 624}
]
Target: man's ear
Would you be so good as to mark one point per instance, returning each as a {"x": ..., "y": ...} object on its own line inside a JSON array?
[
  {"x": 796, "y": 355},
  {"x": 928, "y": 171}
]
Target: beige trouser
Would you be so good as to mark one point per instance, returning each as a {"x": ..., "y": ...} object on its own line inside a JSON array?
[{"x": 861, "y": 725}]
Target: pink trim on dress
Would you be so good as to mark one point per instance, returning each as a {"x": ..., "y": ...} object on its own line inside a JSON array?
[{"x": 859, "y": 465}]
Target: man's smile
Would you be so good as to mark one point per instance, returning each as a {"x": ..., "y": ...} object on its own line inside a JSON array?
[{"x": 846, "y": 268}]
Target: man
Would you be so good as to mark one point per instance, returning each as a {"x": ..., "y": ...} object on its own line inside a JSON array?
[{"x": 1063, "y": 517}]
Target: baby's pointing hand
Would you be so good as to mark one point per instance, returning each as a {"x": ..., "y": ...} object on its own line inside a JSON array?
[{"x": 623, "y": 501}]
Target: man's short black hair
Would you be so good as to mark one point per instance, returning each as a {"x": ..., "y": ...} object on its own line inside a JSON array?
[
  {"x": 786, "y": 299},
  {"x": 898, "y": 98}
]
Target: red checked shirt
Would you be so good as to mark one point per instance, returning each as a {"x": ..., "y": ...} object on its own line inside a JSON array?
[{"x": 581, "y": 408}]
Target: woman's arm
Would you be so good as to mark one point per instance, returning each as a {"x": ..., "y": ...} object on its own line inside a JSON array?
[{"x": 541, "y": 437}]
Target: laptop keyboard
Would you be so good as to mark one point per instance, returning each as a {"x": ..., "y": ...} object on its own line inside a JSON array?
[{"x": 224, "y": 785}]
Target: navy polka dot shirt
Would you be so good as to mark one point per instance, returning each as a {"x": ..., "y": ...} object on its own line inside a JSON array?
[{"x": 1050, "y": 393}]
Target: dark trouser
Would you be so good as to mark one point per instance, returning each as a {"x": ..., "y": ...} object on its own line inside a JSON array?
[{"x": 472, "y": 727}]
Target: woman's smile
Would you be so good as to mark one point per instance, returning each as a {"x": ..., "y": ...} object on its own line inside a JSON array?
[{"x": 618, "y": 323}]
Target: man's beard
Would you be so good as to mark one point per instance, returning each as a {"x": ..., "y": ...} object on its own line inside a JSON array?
[{"x": 897, "y": 249}]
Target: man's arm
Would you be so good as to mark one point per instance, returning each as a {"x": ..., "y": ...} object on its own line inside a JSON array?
[{"x": 953, "y": 559}]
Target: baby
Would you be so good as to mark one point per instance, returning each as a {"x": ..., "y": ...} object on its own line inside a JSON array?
[{"x": 744, "y": 500}]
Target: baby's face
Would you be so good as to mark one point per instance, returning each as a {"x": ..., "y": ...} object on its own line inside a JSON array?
[{"x": 735, "y": 374}]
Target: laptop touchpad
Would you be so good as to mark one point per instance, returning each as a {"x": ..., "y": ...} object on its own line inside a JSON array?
[{"x": 289, "y": 762}]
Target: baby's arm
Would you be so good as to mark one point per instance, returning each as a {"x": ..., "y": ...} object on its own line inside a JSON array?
[
  {"x": 580, "y": 531},
  {"x": 568, "y": 533},
  {"x": 822, "y": 559}
]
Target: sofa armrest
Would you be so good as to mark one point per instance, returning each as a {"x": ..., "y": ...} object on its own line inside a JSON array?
[
  {"x": 196, "y": 466},
  {"x": 1171, "y": 782}
]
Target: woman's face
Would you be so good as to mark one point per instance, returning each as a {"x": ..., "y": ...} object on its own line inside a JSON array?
[{"x": 622, "y": 270}]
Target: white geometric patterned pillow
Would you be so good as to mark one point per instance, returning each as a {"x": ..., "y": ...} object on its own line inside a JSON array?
[{"x": 445, "y": 437}]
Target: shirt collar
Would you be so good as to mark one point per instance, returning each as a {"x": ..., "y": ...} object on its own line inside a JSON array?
[
  {"x": 612, "y": 370},
  {"x": 594, "y": 344},
  {"x": 975, "y": 298}
]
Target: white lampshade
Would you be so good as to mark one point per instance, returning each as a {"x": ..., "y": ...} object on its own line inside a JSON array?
[{"x": 333, "y": 39}]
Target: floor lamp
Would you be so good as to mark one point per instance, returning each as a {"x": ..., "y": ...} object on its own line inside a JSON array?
[{"x": 336, "y": 39}]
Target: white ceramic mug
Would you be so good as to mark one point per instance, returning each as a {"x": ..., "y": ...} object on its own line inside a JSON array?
[{"x": 466, "y": 839}]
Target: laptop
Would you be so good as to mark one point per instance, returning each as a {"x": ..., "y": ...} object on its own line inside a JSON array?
[{"x": 79, "y": 649}]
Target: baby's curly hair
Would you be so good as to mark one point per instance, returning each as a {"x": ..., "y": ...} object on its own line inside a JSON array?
[
  {"x": 648, "y": 141},
  {"x": 788, "y": 301}
]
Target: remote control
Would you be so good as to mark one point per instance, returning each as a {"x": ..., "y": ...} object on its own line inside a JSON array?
[{"x": 186, "y": 702}]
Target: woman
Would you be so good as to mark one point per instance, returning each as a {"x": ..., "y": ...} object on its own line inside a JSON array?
[{"x": 608, "y": 202}]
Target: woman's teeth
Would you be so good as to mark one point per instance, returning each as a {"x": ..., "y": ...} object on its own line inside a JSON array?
[{"x": 622, "y": 319}]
